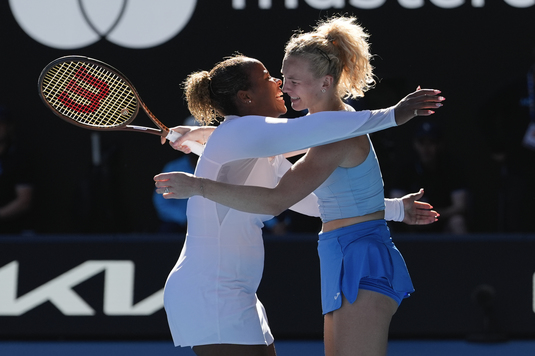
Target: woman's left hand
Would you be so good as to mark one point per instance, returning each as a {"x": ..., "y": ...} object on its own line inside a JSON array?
[
  {"x": 177, "y": 185},
  {"x": 422, "y": 102},
  {"x": 417, "y": 212}
]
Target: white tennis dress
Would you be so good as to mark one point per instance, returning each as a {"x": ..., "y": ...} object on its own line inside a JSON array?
[{"x": 210, "y": 295}]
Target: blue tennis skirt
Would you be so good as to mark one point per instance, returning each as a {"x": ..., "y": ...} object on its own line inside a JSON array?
[{"x": 361, "y": 256}]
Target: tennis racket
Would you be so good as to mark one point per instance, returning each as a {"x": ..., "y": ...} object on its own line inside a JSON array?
[{"x": 92, "y": 94}]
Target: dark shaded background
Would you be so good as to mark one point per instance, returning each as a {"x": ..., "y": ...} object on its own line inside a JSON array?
[{"x": 467, "y": 52}]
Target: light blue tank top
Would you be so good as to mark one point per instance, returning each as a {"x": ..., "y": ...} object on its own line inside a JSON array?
[{"x": 354, "y": 191}]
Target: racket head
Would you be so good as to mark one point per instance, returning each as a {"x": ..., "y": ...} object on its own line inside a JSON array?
[{"x": 89, "y": 93}]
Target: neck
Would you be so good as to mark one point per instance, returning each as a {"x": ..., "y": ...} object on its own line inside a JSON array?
[{"x": 333, "y": 104}]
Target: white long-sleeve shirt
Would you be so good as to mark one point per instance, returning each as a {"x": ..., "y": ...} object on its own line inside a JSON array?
[{"x": 210, "y": 295}]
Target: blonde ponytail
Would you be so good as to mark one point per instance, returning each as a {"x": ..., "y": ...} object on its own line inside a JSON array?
[{"x": 338, "y": 47}]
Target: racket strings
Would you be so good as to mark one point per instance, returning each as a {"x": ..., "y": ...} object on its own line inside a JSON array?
[{"x": 89, "y": 94}]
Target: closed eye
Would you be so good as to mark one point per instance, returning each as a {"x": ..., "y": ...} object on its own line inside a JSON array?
[{"x": 291, "y": 81}]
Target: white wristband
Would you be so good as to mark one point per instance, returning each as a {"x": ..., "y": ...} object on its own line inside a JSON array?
[{"x": 394, "y": 210}]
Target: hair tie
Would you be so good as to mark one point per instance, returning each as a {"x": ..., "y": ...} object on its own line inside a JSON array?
[{"x": 330, "y": 39}]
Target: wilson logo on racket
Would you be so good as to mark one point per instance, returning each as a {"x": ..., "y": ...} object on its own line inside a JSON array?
[
  {"x": 92, "y": 94},
  {"x": 94, "y": 98}
]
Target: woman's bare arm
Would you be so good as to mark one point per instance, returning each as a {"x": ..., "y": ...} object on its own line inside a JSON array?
[{"x": 303, "y": 178}]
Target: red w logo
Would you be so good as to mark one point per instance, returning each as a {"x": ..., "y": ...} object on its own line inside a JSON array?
[{"x": 93, "y": 98}]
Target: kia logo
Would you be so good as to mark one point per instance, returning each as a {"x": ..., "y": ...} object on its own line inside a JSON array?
[
  {"x": 73, "y": 24},
  {"x": 118, "y": 294}
]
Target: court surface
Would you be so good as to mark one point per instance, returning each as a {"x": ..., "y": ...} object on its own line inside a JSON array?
[{"x": 284, "y": 348}]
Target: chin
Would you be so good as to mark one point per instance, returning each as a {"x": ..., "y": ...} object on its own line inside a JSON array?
[
  {"x": 297, "y": 108},
  {"x": 276, "y": 112}
]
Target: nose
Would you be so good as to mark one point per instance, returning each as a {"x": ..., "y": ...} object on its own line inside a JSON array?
[
  {"x": 284, "y": 89},
  {"x": 278, "y": 81}
]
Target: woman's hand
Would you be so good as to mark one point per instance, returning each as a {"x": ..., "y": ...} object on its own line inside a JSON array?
[
  {"x": 177, "y": 185},
  {"x": 180, "y": 129},
  {"x": 198, "y": 134},
  {"x": 417, "y": 212},
  {"x": 422, "y": 102}
]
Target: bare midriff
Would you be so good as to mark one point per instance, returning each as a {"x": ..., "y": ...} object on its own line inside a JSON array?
[{"x": 336, "y": 224}]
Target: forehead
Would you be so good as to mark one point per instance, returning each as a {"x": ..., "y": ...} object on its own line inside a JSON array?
[
  {"x": 258, "y": 69},
  {"x": 295, "y": 66},
  {"x": 257, "y": 75}
]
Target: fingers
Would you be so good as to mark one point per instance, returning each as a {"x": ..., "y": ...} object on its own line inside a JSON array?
[
  {"x": 181, "y": 129},
  {"x": 427, "y": 102},
  {"x": 161, "y": 177},
  {"x": 422, "y": 102},
  {"x": 426, "y": 218},
  {"x": 420, "y": 205},
  {"x": 178, "y": 144},
  {"x": 425, "y": 105},
  {"x": 163, "y": 190},
  {"x": 417, "y": 195},
  {"x": 420, "y": 194},
  {"x": 183, "y": 149},
  {"x": 162, "y": 186},
  {"x": 423, "y": 92},
  {"x": 430, "y": 97}
]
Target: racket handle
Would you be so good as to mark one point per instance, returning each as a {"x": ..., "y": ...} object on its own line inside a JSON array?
[{"x": 195, "y": 147}]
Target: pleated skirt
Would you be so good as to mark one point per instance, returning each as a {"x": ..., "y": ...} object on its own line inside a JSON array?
[{"x": 358, "y": 253}]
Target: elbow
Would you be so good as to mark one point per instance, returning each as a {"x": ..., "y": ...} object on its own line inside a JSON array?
[{"x": 275, "y": 209}]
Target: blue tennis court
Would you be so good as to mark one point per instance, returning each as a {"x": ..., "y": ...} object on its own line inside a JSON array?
[{"x": 284, "y": 348}]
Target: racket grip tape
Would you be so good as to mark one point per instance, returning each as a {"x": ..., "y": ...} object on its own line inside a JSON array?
[{"x": 195, "y": 147}]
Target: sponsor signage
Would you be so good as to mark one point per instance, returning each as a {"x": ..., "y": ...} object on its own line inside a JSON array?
[
  {"x": 118, "y": 291},
  {"x": 85, "y": 286},
  {"x": 74, "y": 287},
  {"x": 144, "y": 24},
  {"x": 375, "y": 4}
]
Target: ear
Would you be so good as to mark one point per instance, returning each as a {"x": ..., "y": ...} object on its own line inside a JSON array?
[
  {"x": 328, "y": 81},
  {"x": 244, "y": 97}
]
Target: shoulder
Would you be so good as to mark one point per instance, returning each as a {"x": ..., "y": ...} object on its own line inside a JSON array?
[{"x": 331, "y": 154}]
